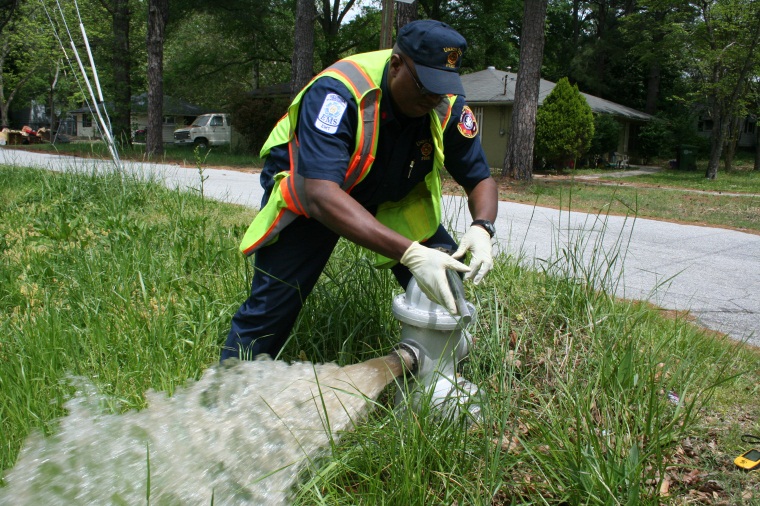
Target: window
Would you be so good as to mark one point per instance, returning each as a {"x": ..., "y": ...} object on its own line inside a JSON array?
[
  {"x": 217, "y": 121},
  {"x": 478, "y": 112},
  {"x": 168, "y": 120},
  {"x": 705, "y": 125},
  {"x": 86, "y": 121},
  {"x": 749, "y": 126}
]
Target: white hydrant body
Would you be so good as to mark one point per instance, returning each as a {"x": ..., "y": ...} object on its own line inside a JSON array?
[{"x": 439, "y": 341}]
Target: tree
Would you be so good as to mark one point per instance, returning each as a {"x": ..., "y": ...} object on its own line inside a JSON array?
[
  {"x": 518, "y": 161},
  {"x": 564, "y": 125},
  {"x": 724, "y": 48},
  {"x": 158, "y": 13},
  {"x": 302, "y": 67},
  {"x": 405, "y": 13},
  {"x": 120, "y": 14},
  {"x": 7, "y": 8},
  {"x": 330, "y": 18},
  {"x": 656, "y": 39},
  {"x": 24, "y": 51},
  {"x": 227, "y": 49}
]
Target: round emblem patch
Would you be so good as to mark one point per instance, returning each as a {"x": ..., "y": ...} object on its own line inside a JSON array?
[
  {"x": 426, "y": 149},
  {"x": 467, "y": 125}
]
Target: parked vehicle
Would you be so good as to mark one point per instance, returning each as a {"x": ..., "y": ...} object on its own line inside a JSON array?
[{"x": 206, "y": 130}]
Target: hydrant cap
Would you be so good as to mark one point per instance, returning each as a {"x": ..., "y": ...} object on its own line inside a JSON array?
[{"x": 416, "y": 309}]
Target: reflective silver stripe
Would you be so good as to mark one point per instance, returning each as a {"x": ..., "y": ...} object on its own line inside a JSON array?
[
  {"x": 285, "y": 219},
  {"x": 442, "y": 110},
  {"x": 368, "y": 113},
  {"x": 354, "y": 74},
  {"x": 368, "y": 107},
  {"x": 368, "y": 110}
]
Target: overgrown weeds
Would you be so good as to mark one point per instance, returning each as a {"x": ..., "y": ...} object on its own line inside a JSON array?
[{"x": 586, "y": 399}]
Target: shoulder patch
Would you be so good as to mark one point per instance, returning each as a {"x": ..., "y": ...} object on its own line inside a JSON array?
[
  {"x": 467, "y": 125},
  {"x": 332, "y": 111}
]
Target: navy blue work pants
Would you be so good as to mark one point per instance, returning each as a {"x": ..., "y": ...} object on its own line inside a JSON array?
[{"x": 284, "y": 275}]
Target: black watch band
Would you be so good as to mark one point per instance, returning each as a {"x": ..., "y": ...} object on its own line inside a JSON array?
[{"x": 486, "y": 224}]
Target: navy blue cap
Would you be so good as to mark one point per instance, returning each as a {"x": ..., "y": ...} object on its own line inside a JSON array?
[{"x": 436, "y": 50}]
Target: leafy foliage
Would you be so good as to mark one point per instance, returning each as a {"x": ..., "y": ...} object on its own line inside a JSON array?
[
  {"x": 255, "y": 117},
  {"x": 606, "y": 134},
  {"x": 564, "y": 124}
]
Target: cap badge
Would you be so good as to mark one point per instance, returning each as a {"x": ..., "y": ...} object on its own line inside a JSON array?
[{"x": 453, "y": 56}]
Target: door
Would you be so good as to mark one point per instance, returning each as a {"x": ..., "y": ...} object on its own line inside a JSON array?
[{"x": 220, "y": 130}]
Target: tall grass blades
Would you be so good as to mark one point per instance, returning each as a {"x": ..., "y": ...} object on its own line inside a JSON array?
[{"x": 584, "y": 397}]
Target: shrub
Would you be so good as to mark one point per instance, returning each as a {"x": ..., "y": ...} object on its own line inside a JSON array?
[
  {"x": 564, "y": 125},
  {"x": 606, "y": 134},
  {"x": 254, "y": 117}
]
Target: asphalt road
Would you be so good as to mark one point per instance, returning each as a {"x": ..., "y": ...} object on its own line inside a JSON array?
[{"x": 711, "y": 272}]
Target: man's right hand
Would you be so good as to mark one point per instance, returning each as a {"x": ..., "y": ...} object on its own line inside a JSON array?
[{"x": 428, "y": 266}]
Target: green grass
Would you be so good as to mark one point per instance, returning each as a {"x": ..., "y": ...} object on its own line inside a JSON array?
[
  {"x": 745, "y": 180},
  {"x": 132, "y": 286},
  {"x": 215, "y": 156}
]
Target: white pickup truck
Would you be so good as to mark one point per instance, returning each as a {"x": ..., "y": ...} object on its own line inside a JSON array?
[{"x": 206, "y": 130}]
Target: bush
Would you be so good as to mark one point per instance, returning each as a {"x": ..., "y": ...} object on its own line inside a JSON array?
[
  {"x": 655, "y": 139},
  {"x": 564, "y": 125},
  {"x": 606, "y": 134},
  {"x": 254, "y": 117}
]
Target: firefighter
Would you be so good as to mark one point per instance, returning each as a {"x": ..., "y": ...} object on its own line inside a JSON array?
[{"x": 359, "y": 155}]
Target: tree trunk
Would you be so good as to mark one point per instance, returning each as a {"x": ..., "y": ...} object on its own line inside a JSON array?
[
  {"x": 405, "y": 14},
  {"x": 302, "y": 68},
  {"x": 158, "y": 14},
  {"x": 518, "y": 162},
  {"x": 386, "y": 28},
  {"x": 717, "y": 140},
  {"x": 731, "y": 141},
  {"x": 757, "y": 147},
  {"x": 4, "y": 51},
  {"x": 653, "y": 87},
  {"x": 122, "y": 98},
  {"x": 51, "y": 97}
]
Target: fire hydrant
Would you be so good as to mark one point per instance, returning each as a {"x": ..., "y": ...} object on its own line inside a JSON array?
[{"x": 438, "y": 341}]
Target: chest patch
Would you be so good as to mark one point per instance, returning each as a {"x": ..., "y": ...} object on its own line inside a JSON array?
[
  {"x": 467, "y": 125},
  {"x": 332, "y": 111}
]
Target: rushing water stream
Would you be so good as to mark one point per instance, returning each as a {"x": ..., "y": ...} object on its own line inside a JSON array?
[{"x": 239, "y": 435}]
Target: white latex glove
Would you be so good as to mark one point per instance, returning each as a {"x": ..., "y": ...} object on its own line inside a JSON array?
[
  {"x": 477, "y": 241},
  {"x": 428, "y": 267}
]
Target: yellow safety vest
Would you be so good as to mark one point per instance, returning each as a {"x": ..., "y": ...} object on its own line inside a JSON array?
[{"x": 416, "y": 216}]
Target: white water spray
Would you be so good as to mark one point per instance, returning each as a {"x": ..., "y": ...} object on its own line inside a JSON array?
[{"x": 239, "y": 435}]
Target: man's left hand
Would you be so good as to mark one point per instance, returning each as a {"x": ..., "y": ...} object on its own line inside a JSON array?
[{"x": 477, "y": 241}]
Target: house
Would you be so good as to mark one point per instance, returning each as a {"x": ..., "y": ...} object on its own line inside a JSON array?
[
  {"x": 176, "y": 113},
  {"x": 491, "y": 95},
  {"x": 745, "y": 129}
]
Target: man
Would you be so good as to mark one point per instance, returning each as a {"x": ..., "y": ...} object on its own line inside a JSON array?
[{"x": 358, "y": 156}]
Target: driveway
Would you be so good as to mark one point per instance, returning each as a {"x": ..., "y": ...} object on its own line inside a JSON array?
[{"x": 711, "y": 272}]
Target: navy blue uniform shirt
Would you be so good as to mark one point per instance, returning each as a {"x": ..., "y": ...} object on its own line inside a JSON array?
[{"x": 326, "y": 131}]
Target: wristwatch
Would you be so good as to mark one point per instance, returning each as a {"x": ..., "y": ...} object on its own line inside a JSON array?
[{"x": 486, "y": 224}]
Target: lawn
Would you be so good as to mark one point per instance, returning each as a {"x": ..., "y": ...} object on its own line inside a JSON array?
[
  {"x": 732, "y": 201},
  {"x": 586, "y": 399}
]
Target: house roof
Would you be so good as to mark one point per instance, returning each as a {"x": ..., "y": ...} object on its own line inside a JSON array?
[
  {"x": 172, "y": 107},
  {"x": 488, "y": 87}
]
